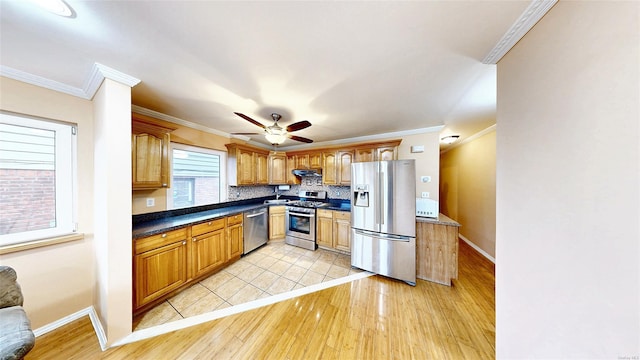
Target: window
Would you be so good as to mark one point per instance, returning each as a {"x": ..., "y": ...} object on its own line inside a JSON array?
[
  {"x": 37, "y": 178},
  {"x": 197, "y": 176}
]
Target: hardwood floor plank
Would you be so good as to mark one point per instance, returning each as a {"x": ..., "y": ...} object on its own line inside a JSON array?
[{"x": 375, "y": 317}]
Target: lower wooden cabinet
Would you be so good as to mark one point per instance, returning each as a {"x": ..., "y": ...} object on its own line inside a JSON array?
[
  {"x": 160, "y": 265},
  {"x": 165, "y": 262},
  {"x": 277, "y": 225},
  {"x": 333, "y": 229}
]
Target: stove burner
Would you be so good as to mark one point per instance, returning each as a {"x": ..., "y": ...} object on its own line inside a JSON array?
[{"x": 308, "y": 204}]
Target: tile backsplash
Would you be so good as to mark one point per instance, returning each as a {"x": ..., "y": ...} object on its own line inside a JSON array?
[{"x": 313, "y": 183}]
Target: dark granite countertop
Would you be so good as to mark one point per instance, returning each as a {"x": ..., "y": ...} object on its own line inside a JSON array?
[{"x": 155, "y": 223}]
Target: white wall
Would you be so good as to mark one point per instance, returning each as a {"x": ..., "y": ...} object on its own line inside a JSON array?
[{"x": 568, "y": 161}]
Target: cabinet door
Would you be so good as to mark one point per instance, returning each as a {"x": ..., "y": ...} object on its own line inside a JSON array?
[
  {"x": 386, "y": 153},
  {"x": 291, "y": 165},
  {"x": 329, "y": 173},
  {"x": 315, "y": 160},
  {"x": 342, "y": 230},
  {"x": 245, "y": 167},
  {"x": 324, "y": 228},
  {"x": 150, "y": 161},
  {"x": 234, "y": 236},
  {"x": 343, "y": 168},
  {"x": 302, "y": 161},
  {"x": 159, "y": 271},
  {"x": 208, "y": 251},
  {"x": 277, "y": 169},
  {"x": 262, "y": 174},
  {"x": 365, "y": 155},
  {"x": 276, "y": 222}
]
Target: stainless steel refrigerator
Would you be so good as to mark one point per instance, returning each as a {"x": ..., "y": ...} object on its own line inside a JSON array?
[{"x": 383, "y": 218}]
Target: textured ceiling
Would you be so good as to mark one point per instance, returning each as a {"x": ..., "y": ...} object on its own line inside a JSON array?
[{"x": 352, "y": 69}]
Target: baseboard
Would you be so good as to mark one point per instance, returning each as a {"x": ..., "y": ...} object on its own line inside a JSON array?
[
  {"x": 95, "y": 321},
  {"x": 476, "y": 248}
]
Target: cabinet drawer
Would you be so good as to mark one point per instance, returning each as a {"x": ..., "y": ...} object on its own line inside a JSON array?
[
  {"x": 342, "y": 215},
  {"x": 324, "y": 213},
  {"x": 159, "y": 240},
  {"x": 277, "y": 209},
  {"x": 206, "y": 227},
  {"x": 234, "y": 219}
]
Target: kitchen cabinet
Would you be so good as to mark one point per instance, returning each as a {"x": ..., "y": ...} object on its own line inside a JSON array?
[
  {"x": 329, "y": 173},
  {"x": 277, "y": 168},
  {"x": 150, "y": 158},
  {"x": 315, "y": 160},
  {"x": 324, "y": 228},
  {"x": 234, "y": 236},
  {"x": 277, "y": 225},
  {"x": 343, "y": 167},
  {"x": 291, "y": 165},
  {"x": 365, "y": 154},
  {"x": 246, "y": 165},
  {"x": 333, "y": 230},
  {"x": 377, "y": 151},
  {"x": 208, "y": 248},
  {"x": 385, "y": 153},
  {"x": 159, "y": 265},
  {"x": 262, "y": 172}
]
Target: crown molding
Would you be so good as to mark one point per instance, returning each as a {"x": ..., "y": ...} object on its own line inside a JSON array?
[
  {"x": 97, "y": 75},
  {"x": 470, "y": 138},
  {"x": 531, "y": 15},
  {"x": 383, "y": 136},
  {"x": 158, "y": 115}
]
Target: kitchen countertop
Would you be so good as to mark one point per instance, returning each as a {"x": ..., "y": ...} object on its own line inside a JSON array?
[
  {"x": 441, "y": 220},
  {"x": 155, "y": 223}
]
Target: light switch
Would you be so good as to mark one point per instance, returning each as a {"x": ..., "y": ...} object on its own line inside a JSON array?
[{"x": 425, "y": 179}]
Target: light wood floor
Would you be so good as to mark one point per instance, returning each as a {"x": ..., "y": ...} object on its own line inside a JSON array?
[{"x": 372, "y": 318}]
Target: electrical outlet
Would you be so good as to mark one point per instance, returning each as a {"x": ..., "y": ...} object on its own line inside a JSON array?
[
  {"x": 425, "y": 194},
  {"x": 151, "y": 202}
]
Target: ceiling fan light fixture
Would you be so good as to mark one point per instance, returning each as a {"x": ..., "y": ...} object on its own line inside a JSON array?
[
  {"x": 58, "y": 7},
  {"x": 276, "y": 139},
  {"x": 450, "y": 139}
]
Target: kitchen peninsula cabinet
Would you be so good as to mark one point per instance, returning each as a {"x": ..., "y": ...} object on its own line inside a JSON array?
[
  {"x": 437, "y": 249},
  {"x": 150, "y": 167},
  {"x": 333, "y": 230},
  {"x": 246, "y": 165},
  {"x": 160, "y": 265},
  {"x": 277, "y": 222}
]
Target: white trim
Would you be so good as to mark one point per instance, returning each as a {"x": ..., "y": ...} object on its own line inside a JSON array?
[
  {"x": 158, "y": 115},
  {"x": 470, "y": 138},
  {"x": 202, "y": 318},
  {"x": 477, "y": 248},
  {"x": 98, "y": 73},
  {"x": 41, "y": 82},
  {"x": 95, "y": 321},
  {"x": 389, "y": 135},
  {"x": 531, "y": 15}
]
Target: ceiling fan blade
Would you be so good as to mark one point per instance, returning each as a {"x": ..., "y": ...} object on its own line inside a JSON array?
[
  {"x": 300, "y": 138},
  {"x": 250, "y": 120},
  {"x": 298, "y": 126}
]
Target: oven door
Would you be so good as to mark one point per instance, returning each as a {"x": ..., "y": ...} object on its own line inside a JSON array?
[{"x": 301, "y": 224}]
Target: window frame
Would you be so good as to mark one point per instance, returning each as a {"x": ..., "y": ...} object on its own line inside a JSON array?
[
  {"x": 66, "y": 179},
  {"x": 223, "y": 171}
]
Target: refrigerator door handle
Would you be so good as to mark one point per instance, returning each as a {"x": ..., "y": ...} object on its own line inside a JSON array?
[
  {"x": 378, "y": 235},
  {"x": 383, "y": 186}
]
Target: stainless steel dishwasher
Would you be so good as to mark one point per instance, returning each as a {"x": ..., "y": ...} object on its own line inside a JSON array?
[{"x": 255, "y": 229}]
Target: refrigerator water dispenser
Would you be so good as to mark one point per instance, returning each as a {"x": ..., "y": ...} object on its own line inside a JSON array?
[{"x": 361, "y": 195}]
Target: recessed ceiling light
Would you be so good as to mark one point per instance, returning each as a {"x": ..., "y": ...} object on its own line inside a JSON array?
[
  {"x": 58, "y": 7},
  {"x": 450, "y": 139}
]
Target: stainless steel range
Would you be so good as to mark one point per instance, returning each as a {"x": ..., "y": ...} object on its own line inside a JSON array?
[{"x": 301, "y": 219}]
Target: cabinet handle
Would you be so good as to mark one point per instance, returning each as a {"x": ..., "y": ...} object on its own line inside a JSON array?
[
  {"x": 164, "y": 235},
  {"x": 184, "y": 243},
  {"x": 164, "y": 185},
  {"x": 209, "y": 223},
  {"x": 194, "y": 239}
]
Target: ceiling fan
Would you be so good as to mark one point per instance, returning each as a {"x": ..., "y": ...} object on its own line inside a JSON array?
[{"x": 275, "y": 134}]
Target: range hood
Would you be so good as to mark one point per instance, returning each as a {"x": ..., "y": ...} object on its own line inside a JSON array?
[{"x": 307, "y": 172}]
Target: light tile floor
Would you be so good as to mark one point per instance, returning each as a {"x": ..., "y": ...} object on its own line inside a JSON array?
[{"x": 272, "y": 269}]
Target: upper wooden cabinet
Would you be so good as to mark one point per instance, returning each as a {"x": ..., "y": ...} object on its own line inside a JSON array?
[
  {"x": 365, "y": 155},
  {"x": 291, "y": 165},
  {"x": 315, "y": 160},
  {"x": 384, "y": 153},
  {"x": 246, "y": 165},
  {"x": 150, "y": 160},
  {"x": 377, "y": 152},
  {"x": 329, "y": 173},
  {"x": 336, "y": 167},
  {"x": 277, "y": 168}
]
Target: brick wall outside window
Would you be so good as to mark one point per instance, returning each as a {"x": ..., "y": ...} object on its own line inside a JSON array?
[{"x": 27, "y": 200}]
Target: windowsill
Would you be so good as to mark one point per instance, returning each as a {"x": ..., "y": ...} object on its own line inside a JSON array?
[{"x": 7, "y": 249}]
